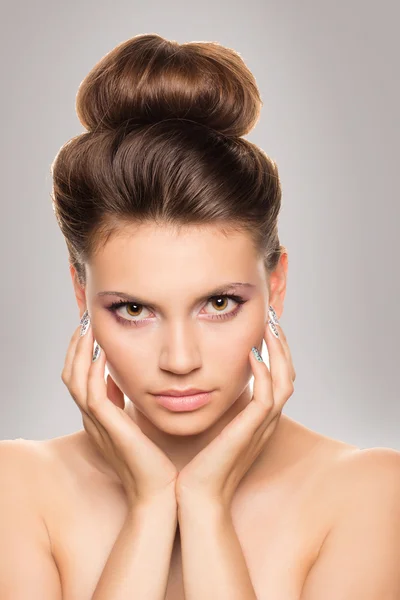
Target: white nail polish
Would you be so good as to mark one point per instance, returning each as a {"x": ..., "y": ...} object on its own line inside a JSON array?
[
  {"x": 257, "y": 354},
  {"x": 96, "y": 351},
  {"x": 85, "y": 326},
  {"x": 273, "y": 316},
  {"x": 273, "y": 328}
]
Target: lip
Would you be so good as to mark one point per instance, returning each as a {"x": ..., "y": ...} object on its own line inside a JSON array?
[
  {"x": 185, "y": 392},
  {"x": 183, "y": 403}
]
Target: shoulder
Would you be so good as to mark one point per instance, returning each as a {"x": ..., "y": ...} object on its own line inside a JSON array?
[
  {"x": 362, "y": 493},
  {"x": 21, "y": 479},
  {"x": 27, "y": 567},
  {"x": 370, "y": 471},
  {"x": 23, "y": 454},
  {"x": 349, "y": 480},
  {"x": 22, "y": 461},
  {"x": 359, "y": 475},
  {"x": 364, "y": 488}
]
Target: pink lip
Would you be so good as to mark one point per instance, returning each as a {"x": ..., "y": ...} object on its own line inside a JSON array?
[{"x": 184, "y": 403}]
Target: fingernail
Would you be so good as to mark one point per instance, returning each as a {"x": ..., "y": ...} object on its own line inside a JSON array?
[
  {"x": 85, "y": 324},
  {"x": 96, "y": 352},
  {"x": 273, "y": 316},
  {"x": 257, "y": 354},
  {"x": 273, "y": 328}
]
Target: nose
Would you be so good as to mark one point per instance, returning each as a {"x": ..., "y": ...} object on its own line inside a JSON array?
[{"x": 180, "y": 352}]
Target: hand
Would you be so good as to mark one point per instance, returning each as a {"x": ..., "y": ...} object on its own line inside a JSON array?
[
  {"x": 215, "y": 472},
  {"x": 145, "y": 471}
]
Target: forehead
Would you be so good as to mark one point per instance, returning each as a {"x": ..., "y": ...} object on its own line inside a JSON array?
[{"x": 189, "y": 254}]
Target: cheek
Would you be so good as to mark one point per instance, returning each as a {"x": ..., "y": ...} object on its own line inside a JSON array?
[
  {"x": 126, "y": 366},
  {"x": 241, "y": 336},
  {"x": 229, "y": 353}
]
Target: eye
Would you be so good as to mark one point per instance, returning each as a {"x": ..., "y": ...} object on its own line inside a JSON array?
[
  {"x": 137, "y": 309},
  {"x": 221, "y": 302}
]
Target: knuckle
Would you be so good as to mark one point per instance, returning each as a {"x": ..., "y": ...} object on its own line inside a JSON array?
[
  {"x": 91, "y": 429},
  {"x": 74, "y": 391},
  {"x": 289, "y": 388},
  {"x": 269, "y": 406},
  {"x": 93, "y": 404},
  {"x": 76, "y": 395},
  {"x": 285, "y": 386},
  {"x": 266, "y": 405}
]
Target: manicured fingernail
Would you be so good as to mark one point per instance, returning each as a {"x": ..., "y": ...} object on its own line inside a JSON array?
[
  {"x": 85, "y": 325},
  {"x": 273, "y": 316},
  {"x": 257, "y": 354},
  {"x": 84, "y": 316},
  {"x": 96, "y": 352},
  {"x": 273, "y": 328}
]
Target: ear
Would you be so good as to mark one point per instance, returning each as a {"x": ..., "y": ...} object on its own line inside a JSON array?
[
  {"x": 79, "y": 291},
  {"x": 277, "y": 283}
]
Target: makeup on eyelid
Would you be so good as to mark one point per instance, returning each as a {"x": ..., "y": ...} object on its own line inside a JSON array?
[{"x": 115, "y": 306}]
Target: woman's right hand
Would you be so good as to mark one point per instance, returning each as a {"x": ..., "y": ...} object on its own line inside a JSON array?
[{"x": 146, "y": 473}]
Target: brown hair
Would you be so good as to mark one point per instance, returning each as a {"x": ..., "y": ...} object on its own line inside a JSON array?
[{"x": 163, "y": 144}]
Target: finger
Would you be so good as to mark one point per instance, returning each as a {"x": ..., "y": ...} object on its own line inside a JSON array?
[
  {"x": 286, "y": 348},
  {"x": 66, "y": 375},
  {"x": 243, "y": 427},
  {"x": 260, "y": 409},
  {"x": 69, "y": 357},
  {"x": 77, "y": 384},
  {"x": 116, "y": 423},
  {"x": 280, "y": 367},
  {"x": 80, "y": 366}
]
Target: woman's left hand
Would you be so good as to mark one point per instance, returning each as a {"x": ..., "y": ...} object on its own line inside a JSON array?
[{"x": 215, "y": 472}]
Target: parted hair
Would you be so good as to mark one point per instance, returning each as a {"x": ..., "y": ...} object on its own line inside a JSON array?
[{"x": 163, "y": 144}]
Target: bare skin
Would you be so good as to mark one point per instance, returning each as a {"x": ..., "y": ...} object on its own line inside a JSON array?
[
  {"x": 283, "y": 507},
  {"x": 282, "y": 510}
]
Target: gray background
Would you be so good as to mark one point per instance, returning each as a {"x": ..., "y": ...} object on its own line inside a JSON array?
[{"x": 328, "y": 75}]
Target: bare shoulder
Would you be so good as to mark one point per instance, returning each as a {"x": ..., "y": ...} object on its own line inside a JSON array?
[
  {"x": 360, "y": 486},
  {"x": 380, "y": 458},
  {"x": 362, "y": 466},
  {"x": 21, "y": 461},
  {"x": 27, "y": 568},
  {"x": 370, "y": 474},
  {"x": 23, "y": 454},
  {"x": 28, "y": 454},
  {"x": 364, "y": 488},
  {"x": 343, "y": 477},
  {"x": 36, "y": 467}
]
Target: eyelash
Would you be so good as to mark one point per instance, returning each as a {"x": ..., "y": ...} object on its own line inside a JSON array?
[{"x": 116, "y": 305}]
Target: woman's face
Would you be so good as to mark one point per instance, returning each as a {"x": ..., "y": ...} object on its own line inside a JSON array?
[{"x": 171, "y": 332}]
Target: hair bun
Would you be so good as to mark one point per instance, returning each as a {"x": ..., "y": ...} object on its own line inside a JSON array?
[{"x": 147, "y": 79}]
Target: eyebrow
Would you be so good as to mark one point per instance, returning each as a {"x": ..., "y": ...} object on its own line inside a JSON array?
[{"x": 222, "y": 289}]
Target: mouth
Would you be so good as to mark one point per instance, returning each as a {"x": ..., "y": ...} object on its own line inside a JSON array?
[
  {"x": 180, "y": 392},
  {"x": 183, "y": 403}
]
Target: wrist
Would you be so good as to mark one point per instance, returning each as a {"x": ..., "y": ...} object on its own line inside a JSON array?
[
  {"x": 162, "y": 503},
  {"x": 198, "y": 505}
]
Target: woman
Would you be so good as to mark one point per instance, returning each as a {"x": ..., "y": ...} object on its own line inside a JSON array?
[{"x": 170, "y": 219}]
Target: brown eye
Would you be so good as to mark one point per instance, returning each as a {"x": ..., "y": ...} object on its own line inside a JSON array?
[
  {"x": 128, "y": 305},
  {"x": 220, "y": 302}
]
